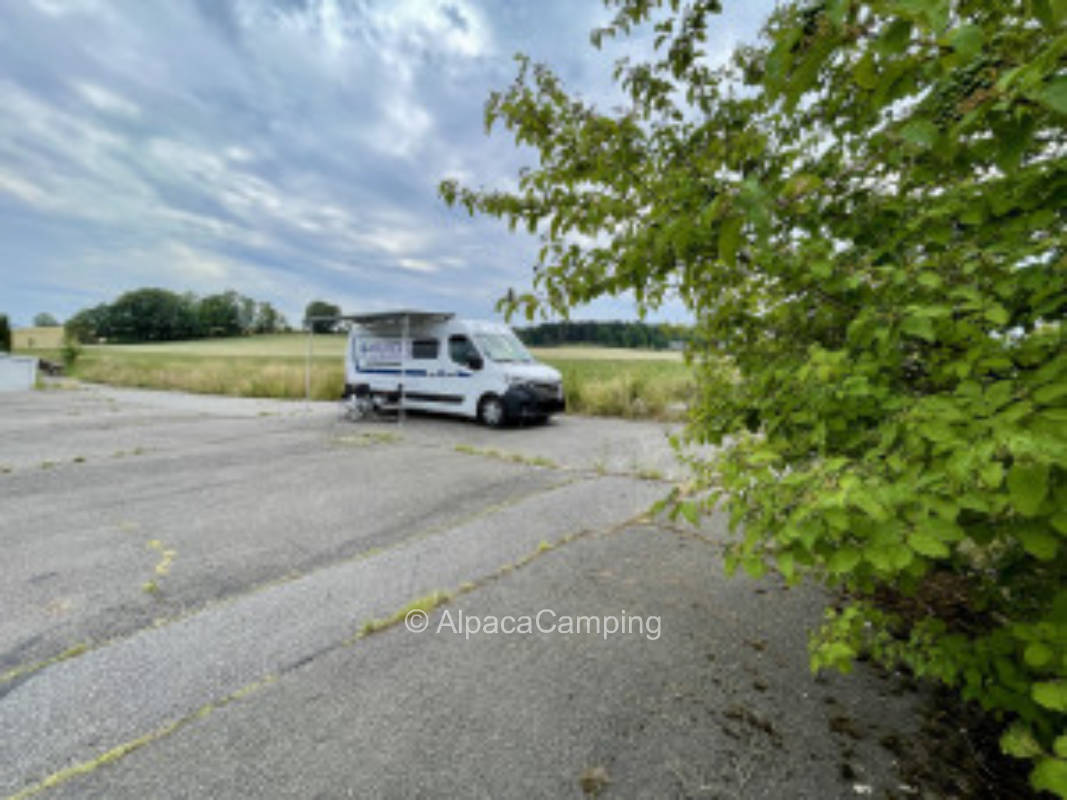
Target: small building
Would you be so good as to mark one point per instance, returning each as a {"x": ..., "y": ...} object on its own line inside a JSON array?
[{"x": 17, "y": 373}]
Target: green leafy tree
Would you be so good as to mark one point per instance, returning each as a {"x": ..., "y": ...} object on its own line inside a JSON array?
[
  {"x": 5, "y": 334},
  {"x": 268, "y": 319},
  {"x": 865, "y": 213},
  {"x": 220, "y": 314},
  {"x": 320, "y": 308},
  {"x": 246, "y": 314},
  {"x": 89, "y": 324},
  {"x": 45, "y": 320},
  {"x": 149, "y": 315}
]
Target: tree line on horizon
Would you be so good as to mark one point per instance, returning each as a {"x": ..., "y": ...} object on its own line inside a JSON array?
[
  {"x": 614, "y": 333},
  {"x": 158, "y": 315}
]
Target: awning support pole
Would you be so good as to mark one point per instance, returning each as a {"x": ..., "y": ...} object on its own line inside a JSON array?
[
  {"x": 403, "y": 369},
  {"x": 307, "y": 370}
]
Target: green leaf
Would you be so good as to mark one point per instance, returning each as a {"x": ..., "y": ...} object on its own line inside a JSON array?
[
  {"x": 942, "y": 529},
  {"x": 1059, "y": 747},
  {"x": 1037, "y": 654},
  {"x": 1043, "y": 11},
  {"x": 754, "y": 566},
  {"x": 1050, "y": 694},
  {"x": 992, "y": 474},
  {"x": 729, "y": 239},
  {"x": 864, "y": 73},
  {"x": 927, "y": 544},
  {"x": 786, "y": 564},
  {"x": 843, "y": 560},
  {"x": 997, "y": 314},
  {"x": 967, "y": 40},
  {"x": 1046, "y": 394},
  {"x": 921, "y": 132},
  {"x": 822, "y": 269},
  {"x": 902, "y": 556},
  {"x": 973, "y": 214},
  {"x": 1059, "y": 522},
  {"x": 690, "y": 512},
  {"x": 1019, "y": 741},
  {"x": 1050, "y": 775},
  {"x": 896, "y": 37},
  {"x": 1054, "y": 95},
  {"x": 931, "y": 280},
  {"x": 920, "y": 326},
  {"x": 1027, "y": 485},
  {"x": 801, "y": 184},
  {"x": 837, "y": 11},
  {"x": 1039, "y": 543}
]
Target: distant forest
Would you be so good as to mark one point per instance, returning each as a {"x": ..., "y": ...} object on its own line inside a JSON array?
[
  {"x": 158, "y": 315},
  {"x": 607, "y": 334}
]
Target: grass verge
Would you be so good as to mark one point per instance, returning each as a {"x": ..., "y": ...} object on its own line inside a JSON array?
[{"x": 597, "y": 381}]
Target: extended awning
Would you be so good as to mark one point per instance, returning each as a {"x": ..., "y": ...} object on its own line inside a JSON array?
[
  {"x": 398, "y": 323},
  {"x": 382, "y": 321}
]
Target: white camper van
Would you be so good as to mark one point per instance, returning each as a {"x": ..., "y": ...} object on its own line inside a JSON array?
[{"x": 435, "y": 362}]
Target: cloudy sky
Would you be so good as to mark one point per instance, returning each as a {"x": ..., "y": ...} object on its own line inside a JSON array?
[{"x": 288, "y": 149}]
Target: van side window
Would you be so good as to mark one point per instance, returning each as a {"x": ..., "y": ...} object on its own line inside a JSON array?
[
  {"x": 461, "y": 351},
  {"x": 425, "y": 348}
]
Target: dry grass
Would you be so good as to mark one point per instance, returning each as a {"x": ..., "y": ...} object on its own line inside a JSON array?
[
  {"x": 295, "y": 345},
  {"x": 37, "y": 338},
  {"x": 598, "y": 380},
  {"x": 634, "y": 389},
  {"x": 238, "y": 377},
  {"x": 279, "y": 345},
  {"x": 581, "y": 352}
]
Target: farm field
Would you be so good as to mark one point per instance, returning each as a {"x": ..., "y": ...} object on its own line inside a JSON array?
[
  {"x": 295, "y": 345},
  {"x": 600, "y": 381},
  {"x": 37, "y": 338}
]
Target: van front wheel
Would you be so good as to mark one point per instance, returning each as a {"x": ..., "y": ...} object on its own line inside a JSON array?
[{"x": 491, "y": 411}]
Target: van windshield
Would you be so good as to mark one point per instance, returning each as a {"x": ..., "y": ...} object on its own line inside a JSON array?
[{"x": 502, "y": 347}]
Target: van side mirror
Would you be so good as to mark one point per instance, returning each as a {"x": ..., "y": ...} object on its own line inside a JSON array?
[{"x": 474, "y": 361}]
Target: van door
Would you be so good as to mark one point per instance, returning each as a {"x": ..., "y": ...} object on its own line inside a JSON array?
[
  {"x": 463, "y": 365},
  {"x": 425, "y": 384}
]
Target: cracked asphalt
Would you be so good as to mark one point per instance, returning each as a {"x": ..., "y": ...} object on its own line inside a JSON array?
[{"x": 241, "y": 672}]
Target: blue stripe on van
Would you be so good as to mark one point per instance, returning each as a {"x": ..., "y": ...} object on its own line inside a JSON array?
[
  {"x": 417, "y": 373},
  {"x": 412, "y": 372}
]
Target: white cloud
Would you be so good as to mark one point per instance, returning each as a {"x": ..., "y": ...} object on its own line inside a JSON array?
[
  {"x": 24, "y": 190},
  {"x": 416, "y": 265},
  {"x": 61, "y": 8},
  {"x": 104, "y": 100},
  {"x": 451, "y": 26},
  {"x": 283, "y": 148}
]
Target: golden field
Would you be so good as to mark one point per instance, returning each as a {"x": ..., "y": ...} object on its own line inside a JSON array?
[{"x": 597, "y": 380}]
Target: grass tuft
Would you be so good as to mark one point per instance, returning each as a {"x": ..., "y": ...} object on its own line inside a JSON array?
[{"x": 426, "y": 603}]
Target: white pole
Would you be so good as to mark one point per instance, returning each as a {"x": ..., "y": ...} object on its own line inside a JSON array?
[
  {"x": 403, "y": 369},
  {"x": 307, "y": 370}
]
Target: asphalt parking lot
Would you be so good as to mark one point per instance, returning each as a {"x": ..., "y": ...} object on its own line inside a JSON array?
[{"x": 187, "y": 584}]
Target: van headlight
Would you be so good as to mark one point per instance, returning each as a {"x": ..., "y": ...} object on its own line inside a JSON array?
[{"x": 515, "y": 380}]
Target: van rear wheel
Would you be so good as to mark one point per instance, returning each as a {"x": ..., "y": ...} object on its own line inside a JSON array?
[{"x": 491, "y": 411}]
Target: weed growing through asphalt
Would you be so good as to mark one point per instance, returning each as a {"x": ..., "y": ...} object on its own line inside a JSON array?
[
  {"x": 427, "y": 603},
  {"x": 368, "y": 438},
  {"x": 515, "y": 458},
  {"x": 162, "y": 568}
]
